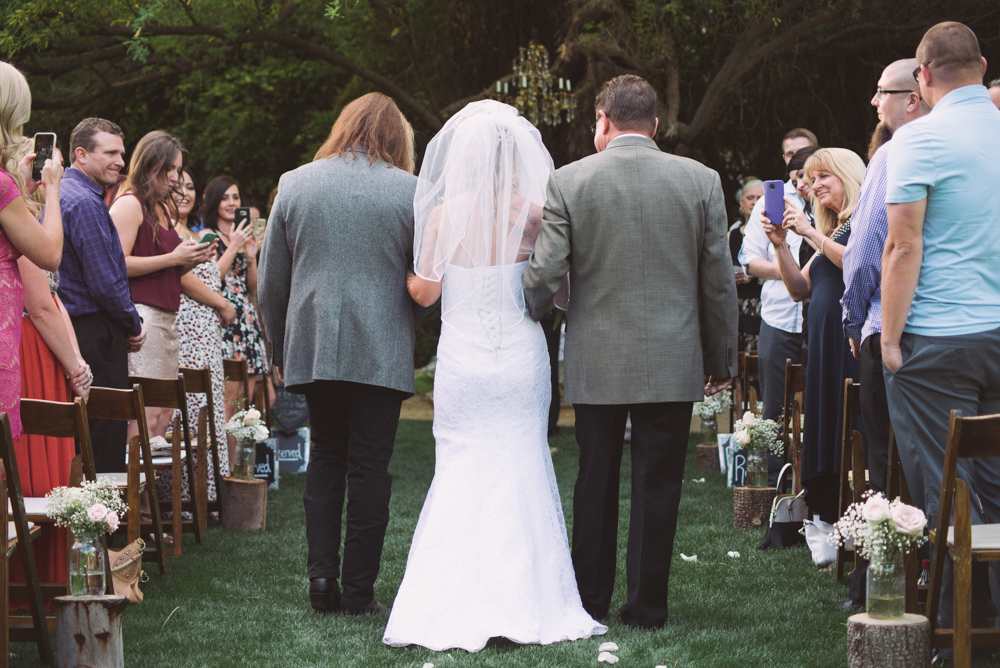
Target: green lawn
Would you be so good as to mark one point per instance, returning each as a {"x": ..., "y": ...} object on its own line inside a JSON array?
[{"x": 241, "y": 598}]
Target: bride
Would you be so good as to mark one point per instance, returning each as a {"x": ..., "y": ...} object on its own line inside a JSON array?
[{"x": 489, "y": 557}]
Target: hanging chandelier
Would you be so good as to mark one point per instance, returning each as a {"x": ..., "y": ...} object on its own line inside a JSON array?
[{"x": 533, "y": 93}]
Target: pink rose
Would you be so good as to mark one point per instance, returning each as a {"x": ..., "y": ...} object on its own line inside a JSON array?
[
  {"x": 112, "y": 521},
  {"x": 97, "y": 512},
  {"x": 908, "y": 520},
  {"x": 876, "y": 508}
]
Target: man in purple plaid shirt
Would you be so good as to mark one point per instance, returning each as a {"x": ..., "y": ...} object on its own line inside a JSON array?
[
  {"x": 93, "y": 281},
  {"x": 898, "y": 102}
]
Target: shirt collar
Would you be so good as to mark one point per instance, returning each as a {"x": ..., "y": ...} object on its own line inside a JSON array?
[
  {"x": 83, "y": 179},
  {"x": 975, "y": 92}
]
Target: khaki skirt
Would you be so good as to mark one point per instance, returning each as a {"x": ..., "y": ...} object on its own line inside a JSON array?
[{"x": 159, "y": 357}]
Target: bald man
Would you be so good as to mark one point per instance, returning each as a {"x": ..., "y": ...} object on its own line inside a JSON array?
[{"x": 994, "y": 91}]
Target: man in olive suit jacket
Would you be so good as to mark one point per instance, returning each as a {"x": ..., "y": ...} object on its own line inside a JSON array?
[{"x": 652, "y": 317}]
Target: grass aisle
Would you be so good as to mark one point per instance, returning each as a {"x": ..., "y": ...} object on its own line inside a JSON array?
[{"x": 241, "y": 599}]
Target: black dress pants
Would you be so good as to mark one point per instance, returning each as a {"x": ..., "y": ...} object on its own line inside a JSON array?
[
  {"x": 104, "y": 346},
  {"x": 552, "y": 338},
  {"x": 875, "y": 411},
  {"x": 353, "y": 429},
  {"x": 659, "y": 446}
]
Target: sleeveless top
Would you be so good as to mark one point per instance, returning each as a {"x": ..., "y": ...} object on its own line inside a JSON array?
[{"x": 162, "y": 288}]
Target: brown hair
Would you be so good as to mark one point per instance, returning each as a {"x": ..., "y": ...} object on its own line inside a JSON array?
[
  {"x": 952, "y": 48},
  {"x": 214, "y": 191},
  {"x": 86, "y": 130},
  {"x": 629, "y": 102},
  {"x": 152, "y": 159},
  {"x": 795, "y": 133},
  {"x": 374, "y": 124}
]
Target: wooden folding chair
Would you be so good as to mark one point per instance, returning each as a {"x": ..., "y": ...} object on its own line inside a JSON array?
[
  {"x": 237, "y": 371},
  {"x": 970, "y": 438},
  {"x": 171, "y": 393},
  {"x": 125, "y": 405},
  {"x": 20, "y": 533},
  {"x": 748, "y": 363},
  {"x": 199, "y": 381},
  {"x": 853, "y": 476},
  {"x": 791, "y": 419}
]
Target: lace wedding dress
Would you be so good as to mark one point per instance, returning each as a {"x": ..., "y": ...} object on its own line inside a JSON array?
[{"x": 490, "y": 555}]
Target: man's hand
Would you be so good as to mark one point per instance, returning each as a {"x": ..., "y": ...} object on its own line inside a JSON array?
[
  {"x": 892, "y": 356},
  {"x": 715, "y": 385},
  {"x": 855, "y": 348},
  {"x": 281, "y": 374},
  {"x": 135, "y": 342}
]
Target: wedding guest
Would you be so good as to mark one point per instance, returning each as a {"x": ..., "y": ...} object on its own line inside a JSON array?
[
  {"x": 836, "y": 175},
  {"x": 345, "y": 220},
  {"x": 22, "y": 235},
  {"x": 747, "y": 287},
  {"x": 237, "y": 262},
  {"x": 994, "y": 91},
  {"x": 203, "y": 312},
  {"x": 155, "y": 258}
]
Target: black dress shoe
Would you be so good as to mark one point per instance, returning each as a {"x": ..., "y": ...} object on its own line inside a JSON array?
[
  {"x": 373, "y": 608},
  {"x": 324, "y": 594}
]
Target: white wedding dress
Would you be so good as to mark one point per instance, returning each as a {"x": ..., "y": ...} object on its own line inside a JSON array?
[{"x": 489, "y": 557}]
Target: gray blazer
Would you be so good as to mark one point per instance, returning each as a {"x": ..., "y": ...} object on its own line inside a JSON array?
[
  {"x": 332, "y": 282},
  {"x": 652, "y": 309}
]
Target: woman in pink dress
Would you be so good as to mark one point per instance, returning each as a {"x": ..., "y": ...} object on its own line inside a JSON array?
[{"x": 20, "y": 232}]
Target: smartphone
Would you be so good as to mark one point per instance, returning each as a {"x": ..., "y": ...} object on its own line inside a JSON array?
[
  {"x": 45, "y": 144},
  {"x": 208, "y": 238},
  {"x": 242, "y": 216},
  {"x": 774, "y": 201},
  {"x": 258, "y": 225}
]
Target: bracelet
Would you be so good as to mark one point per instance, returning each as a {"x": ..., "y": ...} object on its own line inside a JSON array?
[{"x": 822, "y": 244}]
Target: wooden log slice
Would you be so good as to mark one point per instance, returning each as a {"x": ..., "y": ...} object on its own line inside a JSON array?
[
  {"x": 752, "y": 506},
  {"x": 244, "y": 504},
  {"x": 904, "y": 642},
  {"x": 89, "y": 631},
  {"x": 707, "y": 457}
]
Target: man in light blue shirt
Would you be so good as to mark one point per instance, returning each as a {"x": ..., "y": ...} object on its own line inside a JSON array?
[{"x": 940, "y": 283}]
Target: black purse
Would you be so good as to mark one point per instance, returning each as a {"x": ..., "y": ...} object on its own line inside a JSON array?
[{"x": 787, "y": 513}]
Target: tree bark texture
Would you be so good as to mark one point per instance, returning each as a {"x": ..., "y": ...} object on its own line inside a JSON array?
[
  {"x": 752, "y": 506},
  {"x": 888, "y": 643},
  {"x": 89, "y": 631}
]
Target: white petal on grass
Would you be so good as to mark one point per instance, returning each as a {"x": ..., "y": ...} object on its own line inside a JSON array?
[
  {"x": 428, "y": 665},
  {"x": 734, "y": 555},
  {"x": 608, "y": 647},
  {"x": 697, "y": 480},
  {"x": 693, "y": 557},
  {"x": 607, "y": 657}
]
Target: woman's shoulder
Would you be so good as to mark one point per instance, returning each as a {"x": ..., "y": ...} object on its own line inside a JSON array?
[{"x": 8, "y": 189}]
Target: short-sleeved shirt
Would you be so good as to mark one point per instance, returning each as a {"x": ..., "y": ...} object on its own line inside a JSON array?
[{"x": 951, "y": 157}]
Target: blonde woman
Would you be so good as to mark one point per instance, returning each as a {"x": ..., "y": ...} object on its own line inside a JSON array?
[
  {"x": 20, "y": 233},
  {"x": 836, "y": 175}
]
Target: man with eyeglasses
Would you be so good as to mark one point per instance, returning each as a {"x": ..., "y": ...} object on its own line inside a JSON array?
[
  {"x": 781, "y": 317},
  {"x": 898, "y": 102},
  {"x": 940, "y": 285}
]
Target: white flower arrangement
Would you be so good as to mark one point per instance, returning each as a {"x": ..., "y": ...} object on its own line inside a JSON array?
[
  {"x": 880, "y": 529},
  {"x": 713, "y": 405},
  {"x": 92, "y": 509},
  {"x": 753, "y": 431},
  {"x": 247, "y": 425}
]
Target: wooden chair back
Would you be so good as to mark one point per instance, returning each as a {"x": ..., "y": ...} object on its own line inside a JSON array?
[
  {"x": 61, "y": 420},
  {"x": 971, "y": 438},
  {"x": 748, "y": 364},
  {"x": 237, "y": 371},
  {"x": 852, "y": 459},
  {"x": 791, "y": 418},
  {"x": 37, "y": 631},
  {"x": 199, "y": 381}
]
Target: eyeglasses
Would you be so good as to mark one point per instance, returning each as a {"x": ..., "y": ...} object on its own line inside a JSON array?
[
  {"x": 880, "y": 92},
  {"x": 593, "y": 129},
  {"x": 916, "y": 71}
]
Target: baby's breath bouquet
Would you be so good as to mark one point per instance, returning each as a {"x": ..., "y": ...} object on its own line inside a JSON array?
[
  {"x": 89, "y": 510},
  {"x": 755, "y": 433},
  {"x": 713, "y": 405},
  {"x": 881, "y": 529},
  {"x": 247, "y": 429}
]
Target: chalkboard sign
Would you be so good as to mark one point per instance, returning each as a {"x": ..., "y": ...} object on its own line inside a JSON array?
[
  {"x": 293, "y": 450},
  {"x": 738, "y": 475},
  {"x": 290, "y": 411},
  {"x": 266, "y": 466}
]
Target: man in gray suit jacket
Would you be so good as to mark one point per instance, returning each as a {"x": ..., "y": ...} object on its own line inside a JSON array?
[
  {"x": 341, "y": 327},
  {"x": 652, "y": 315}
]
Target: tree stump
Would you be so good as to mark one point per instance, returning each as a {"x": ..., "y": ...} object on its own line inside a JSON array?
[
  {"x": 752, "y": 506},
  {"x": 89, "y": 631},
  {"x": 888, "y": 643},
  {"x": 707, "y": 457},
  {"x": 244, "y": 504}
]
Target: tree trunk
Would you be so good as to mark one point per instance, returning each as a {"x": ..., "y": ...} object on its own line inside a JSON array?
[
  {"x": 707, "y": 457},
  {"x": 752, "y": 506},
  {"x": 888, "y": 643},
  {"x": 244, "y": 504},
  {"x": 89, "y": 631}
]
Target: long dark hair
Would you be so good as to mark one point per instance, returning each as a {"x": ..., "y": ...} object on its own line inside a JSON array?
[
  {"x": 214, "y": 192},
  {"x": 194, "y": 218},
  {"x": 152, "y": 159}
]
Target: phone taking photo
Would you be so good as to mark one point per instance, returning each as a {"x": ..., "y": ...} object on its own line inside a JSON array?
[
  {"x": 208, "y": 238},
  {"x": 242, "y": 216},
  {"x": 774, "y": 201},
  {"x": 258, "y": 226},
  {"x": 44, "y": 147}
]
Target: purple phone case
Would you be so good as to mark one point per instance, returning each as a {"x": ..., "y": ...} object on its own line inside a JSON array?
[{"x": 774, "y": 201}]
